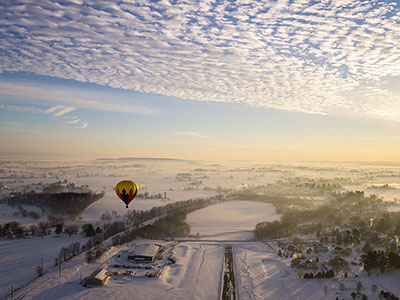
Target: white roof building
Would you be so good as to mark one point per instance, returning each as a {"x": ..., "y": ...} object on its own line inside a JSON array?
[{"x": 145, "y": 253}]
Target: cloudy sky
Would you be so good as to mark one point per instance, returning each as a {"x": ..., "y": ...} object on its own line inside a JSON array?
[{"x": 271, "y": 80}]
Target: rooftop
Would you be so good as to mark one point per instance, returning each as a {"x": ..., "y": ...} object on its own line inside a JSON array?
[
  {"x": 101, "y": 274},
  {"x": 145, "y": 250}
]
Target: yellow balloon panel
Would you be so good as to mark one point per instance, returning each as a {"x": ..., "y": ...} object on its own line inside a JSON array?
[{"x": 127, "y": 190}]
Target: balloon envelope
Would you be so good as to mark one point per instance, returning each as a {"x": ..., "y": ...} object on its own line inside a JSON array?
[{"x": 126, "y": 190}]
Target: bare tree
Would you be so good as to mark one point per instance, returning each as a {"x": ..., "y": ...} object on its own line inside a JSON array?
[
  {"x": 373, "y": 288},
  {"x": 300, "y": 273},
  {"x": 33, "y": 228},
  {"x": 359, "y": 286},
  {"x": 39, "y": 270},
  {"x": 43, "y": 226},
  {"x": 341, "y": 287},
  {"x": 325, "y": 289}
]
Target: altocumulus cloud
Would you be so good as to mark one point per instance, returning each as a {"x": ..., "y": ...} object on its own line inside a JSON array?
[{"x": 328, "y": 56}]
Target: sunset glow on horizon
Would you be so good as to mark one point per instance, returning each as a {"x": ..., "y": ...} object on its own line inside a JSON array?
[{"x": 204, "y": 80}]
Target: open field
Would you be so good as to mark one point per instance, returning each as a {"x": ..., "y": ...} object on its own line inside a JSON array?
[{"x": 197, "y": 273}]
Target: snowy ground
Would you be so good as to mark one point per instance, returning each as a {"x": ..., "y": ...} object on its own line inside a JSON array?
[
  {"x": 9, "y": 213},
  {"x": 260, "y": 273},
  {"x": 20, "y": 257},
  {"x": 196, "y": 275},
  {"x": 232, "y": 220}
]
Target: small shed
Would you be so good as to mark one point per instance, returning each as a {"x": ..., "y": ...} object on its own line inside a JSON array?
[
  {"x": 99, "y": 277},
  {"x": 144, "y": 253}
]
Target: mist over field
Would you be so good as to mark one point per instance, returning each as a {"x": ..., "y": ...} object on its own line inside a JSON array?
[
  {"x": 199, "y": 149},
  {"x": 282, "y": 222}
]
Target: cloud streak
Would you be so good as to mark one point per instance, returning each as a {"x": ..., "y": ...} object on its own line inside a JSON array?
[
  {"x": 192, "y": 134},
  {"x": 17, "y": 127},
  {"x": 72, "y": 97},
  {"x": 57, "y": 111},
  {"x": 82, "y": 125},
  {"x": 319, "y": 57}
]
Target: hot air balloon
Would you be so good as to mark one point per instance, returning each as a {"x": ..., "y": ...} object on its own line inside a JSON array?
[{"x": 126, "y": 191}]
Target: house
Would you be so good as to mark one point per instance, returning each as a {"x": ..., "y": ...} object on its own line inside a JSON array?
[
  {"x": 144, "y": 253},
  {"x": 99, "y": 277}
]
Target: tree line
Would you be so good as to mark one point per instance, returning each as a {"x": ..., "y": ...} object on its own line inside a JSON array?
[{"x": 68, "y": 203}]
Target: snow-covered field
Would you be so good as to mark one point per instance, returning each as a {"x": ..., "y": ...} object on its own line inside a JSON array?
[
  {"x": 20, "y": 257},
  {"x": 197, "y": 274},
  {"x": 261, "y": 274},
  {"x": 232, "y": 220},
  {"x": 9, "y": 213}
]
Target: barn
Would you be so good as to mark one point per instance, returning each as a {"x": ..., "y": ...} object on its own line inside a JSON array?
[
  {"x": 99, "y": 277},
  {"x": 144, "y": 253}
]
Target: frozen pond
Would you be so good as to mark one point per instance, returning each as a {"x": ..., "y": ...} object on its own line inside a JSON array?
[{"x": 230, "y": 220}]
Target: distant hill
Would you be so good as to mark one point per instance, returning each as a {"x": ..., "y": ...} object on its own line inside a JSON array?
[{"x": 141, "y": 158}]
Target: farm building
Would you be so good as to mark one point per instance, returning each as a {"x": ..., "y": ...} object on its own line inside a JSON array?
[
  {"x": 99, "y": 277},
  {"x": 144, "y": 253}
]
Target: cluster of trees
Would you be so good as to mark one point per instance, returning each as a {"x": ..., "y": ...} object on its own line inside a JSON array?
[
  {"x": 388, "y": 223},
  {"x": 112, "y": 229},
  {"x": 282, "y": 204},
  {"x": 69, "y": 203},
  {"x": 381, "y": 259},
  {"x": 92, "y": 242},
  {"x": 134, "y": 217},
  {"x": 354, "y": 296},
  {"x": 97, "y": 234},
  {"x": 12, "y": 229},
  {"x": 71, "y": 229},
  {"x": 124, "y": 237},
  {"x": 33, "y": 214},
  {"x": 301, "y": 186},
  {"x": 92, "y": 254},
  {"x": 342, "y": 208},
  {"x": 107, "y": 216},
  {"x": 328, "y": 274},
  {"x": 275, "y": 229},
  {"x": 387, "y": 296},
  {"x": 70, "y": 251},
  {"x": 345, "y": 237},
  {"x": 54, "y": 221},
  {"x": 88, "y": 230},
  {"x": 169, "y": 226}
]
